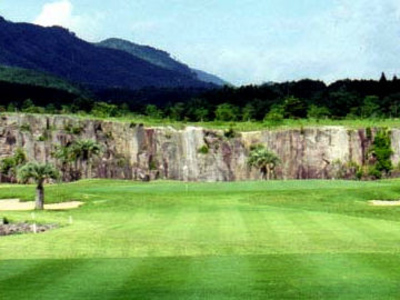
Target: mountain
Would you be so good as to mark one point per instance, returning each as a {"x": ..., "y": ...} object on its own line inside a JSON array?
[
  {"x": 35, "y": 78},
  {"x": 152, "y": 55},
  {"x": 159, "y": 58},
  {"x": 57, "y": 51},
  {"x": 207, "y": 77}
]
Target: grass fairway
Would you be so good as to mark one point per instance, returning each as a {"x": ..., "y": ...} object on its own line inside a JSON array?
[{"x": 171, "y": 240}]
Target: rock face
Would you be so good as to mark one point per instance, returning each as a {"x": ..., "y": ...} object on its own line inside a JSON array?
[{"x": 132, "y": 151}]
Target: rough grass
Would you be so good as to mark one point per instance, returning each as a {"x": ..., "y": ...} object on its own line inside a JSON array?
[
  {"x": 242, "y": 125},
  {"x": 244, "y": 240}
]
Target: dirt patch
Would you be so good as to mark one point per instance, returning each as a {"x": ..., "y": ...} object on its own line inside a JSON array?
[
  {"x": 19, "y": 228},
  {"x": 16, "y": 204},
  {"x": 384, "y": 203}
]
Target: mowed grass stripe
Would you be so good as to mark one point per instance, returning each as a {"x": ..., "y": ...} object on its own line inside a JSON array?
[
  {"x": 292, "y": 237},
  {"x": 340, "y": 236},
  {"x": 289, "y": 276},
  {"x": 263, "y": 233},
  {"x": 70, "y": 279},
  {"x": 178, "y": 236},
  {"x": 233, "y": 232},
  {"x": 339, "y": 276}
]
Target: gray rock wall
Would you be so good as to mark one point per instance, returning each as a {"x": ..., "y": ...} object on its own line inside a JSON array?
[{"x": 131, "y": 151}]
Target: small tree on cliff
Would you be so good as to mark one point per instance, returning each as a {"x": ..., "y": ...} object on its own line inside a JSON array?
[
  {"x": 10, "y": 165},
  {"x": 65, "y": 158},
  {"x": 263, "y": 159},
  {"x": 85, "y": 150},
  {"x": 38, "y": 172}
]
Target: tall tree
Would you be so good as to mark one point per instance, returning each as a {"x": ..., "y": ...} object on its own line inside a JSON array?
[
  {"x": 370, "y": 107},
  {"x": 38, "y": 172},
  {"x": 226, "y": 112}
]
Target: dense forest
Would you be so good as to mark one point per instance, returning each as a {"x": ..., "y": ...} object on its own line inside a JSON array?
[{"x": 343, "y": 99}]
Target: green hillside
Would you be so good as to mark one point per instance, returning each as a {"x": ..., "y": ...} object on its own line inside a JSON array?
[{"x": 35, "y": 78}]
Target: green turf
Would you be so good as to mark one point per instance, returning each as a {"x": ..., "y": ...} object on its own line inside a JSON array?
[
  {"x": 243, "y": 126},
  {"x": 171, "y": 240}
]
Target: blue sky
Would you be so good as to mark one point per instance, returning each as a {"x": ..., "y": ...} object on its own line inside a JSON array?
[{"x": 243, "y": 41}]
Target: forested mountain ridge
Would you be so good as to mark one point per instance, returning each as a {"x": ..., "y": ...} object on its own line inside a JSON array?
[
  {"x": 35, "y": 78},
  {"x": 160, "y": 58},
  {"x": 59, "y": 52},
  {"x": 155, "y": 56}
]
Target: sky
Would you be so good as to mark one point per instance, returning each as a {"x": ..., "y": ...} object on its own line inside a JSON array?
[{"x": 242, "y": 41}]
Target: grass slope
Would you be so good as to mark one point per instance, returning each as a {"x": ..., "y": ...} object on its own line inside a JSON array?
[{"x": 244, "y": 240}]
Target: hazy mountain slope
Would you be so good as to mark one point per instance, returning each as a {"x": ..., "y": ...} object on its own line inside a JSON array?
[
  {"x": 207, "y": 77},
  {"x": 155, "y": 56},
  {"x": 160, "y": 58}
]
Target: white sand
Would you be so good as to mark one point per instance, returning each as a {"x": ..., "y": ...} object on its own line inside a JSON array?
[
  {"x": 15, "y": 204},
  {"x": 384, "y": 203}
]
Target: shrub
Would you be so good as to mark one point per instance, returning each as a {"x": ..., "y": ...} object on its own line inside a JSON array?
[
  {"x": 274, "y": 117},
  {"x": 44, "y": 137},
  {"x": 152, "y": 165},
  {"x": 226, "y": 112},
  {"x": 359, "y": 174},
  {"x": 382, "y": 151},
  {"x": 25, "y": 127},
  {"x": 374, "y": 173},
  {"x": 204, "y": 149},
  {"x": 318, "y": 112},
  {"x": 73, "y": 129},
  {"x": 231, "y": 133}
]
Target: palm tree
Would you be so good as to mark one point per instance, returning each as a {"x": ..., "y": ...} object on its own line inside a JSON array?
[
  {"x": 85, "y": 150},
  {"x": 64, "y": 157},
  {"x": 38, "y": 172},
  {"x": 263, "y": 159}
]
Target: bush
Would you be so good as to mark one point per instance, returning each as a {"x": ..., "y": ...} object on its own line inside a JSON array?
[
  {"x": 231, "y": 133},
  {"x": 44, "y": 137},
  {"x": 381, "y": 151},
  {"x": 25, "y": 127},
  {"x": 374, "y": 173},
  {"x": 226, "y": 112},
  {"x": 73, "y": 129},
  {"x": 152, "y": 166},
  {"x": 318, "y": 112},
  {"x": 274, "y": 117},
  {"x": 204, "y": 149}
]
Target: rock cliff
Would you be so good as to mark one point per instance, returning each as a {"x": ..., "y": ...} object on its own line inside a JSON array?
[{"x": 132, "y": 151}]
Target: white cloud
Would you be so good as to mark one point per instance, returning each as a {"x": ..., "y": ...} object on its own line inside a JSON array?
[
  {"x": 61, "y": 13},
  {"x": 56, "y": 13}
]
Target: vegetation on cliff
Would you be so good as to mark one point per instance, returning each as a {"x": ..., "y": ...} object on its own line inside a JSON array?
[{"x": 263, "y": 159}]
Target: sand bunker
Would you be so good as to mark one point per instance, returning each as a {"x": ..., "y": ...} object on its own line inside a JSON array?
[
  {"x": 384, "y": 203},
  {"x": 15, "y": 204}
]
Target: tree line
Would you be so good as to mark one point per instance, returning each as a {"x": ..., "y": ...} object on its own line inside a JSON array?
[{"x": 343, "y": 99}]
